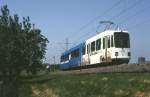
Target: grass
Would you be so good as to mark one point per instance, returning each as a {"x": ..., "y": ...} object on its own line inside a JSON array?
[{"x": 90, "y": 85}]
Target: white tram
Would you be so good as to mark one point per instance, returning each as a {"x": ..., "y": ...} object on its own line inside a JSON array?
[{"x": 108, "y": 46}]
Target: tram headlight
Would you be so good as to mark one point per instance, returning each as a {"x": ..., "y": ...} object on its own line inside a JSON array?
[
  {"x": 129, "y": 53},
  {"x": 116, "y": 54}
]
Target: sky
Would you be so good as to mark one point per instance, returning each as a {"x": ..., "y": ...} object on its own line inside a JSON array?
[{"x": 78, "y": 20}]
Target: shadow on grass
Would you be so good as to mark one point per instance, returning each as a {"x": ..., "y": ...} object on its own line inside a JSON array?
[
  {"x": 41, "y": 81},
  {"x": 37, "y": 79},
  {"x": 28, "y": 82},
  {"x": 25, "y": 90},
  {"x": 9, "y": 88}
]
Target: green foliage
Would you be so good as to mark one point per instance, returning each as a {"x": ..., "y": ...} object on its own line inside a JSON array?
[
  {"x": 88, "y": 85},
  {"x": 22, "y": 45},
  {"x": 22, "y": 48}
]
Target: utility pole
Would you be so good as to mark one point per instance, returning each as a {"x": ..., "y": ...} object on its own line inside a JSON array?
[
  {"x": 67, "y": 43},
  {"x": 54, "y": 62}
]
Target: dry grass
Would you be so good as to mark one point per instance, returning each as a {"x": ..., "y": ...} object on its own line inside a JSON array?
[
  {"x": 46, "y": 92},
  {"x": 105, "y": 78},
  {"x": 142, "y": 94},
  {"x": 146, "y": 81},
  {"x": 120, "y": 92}
]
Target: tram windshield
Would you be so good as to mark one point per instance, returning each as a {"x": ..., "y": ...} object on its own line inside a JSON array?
[{"x": 121, "y": 40}]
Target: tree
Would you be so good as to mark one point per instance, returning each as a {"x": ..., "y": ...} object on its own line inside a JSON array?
[{"x": 22, "y": 46}]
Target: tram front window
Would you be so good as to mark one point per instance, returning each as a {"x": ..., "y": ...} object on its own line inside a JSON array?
[{"x": 121, "y": 40}]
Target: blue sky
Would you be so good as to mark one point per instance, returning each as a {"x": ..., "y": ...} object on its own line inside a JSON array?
[{"x": 61, "y": 19}]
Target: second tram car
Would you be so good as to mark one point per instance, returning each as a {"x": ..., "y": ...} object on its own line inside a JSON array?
[{"x": 110, "y": 46}]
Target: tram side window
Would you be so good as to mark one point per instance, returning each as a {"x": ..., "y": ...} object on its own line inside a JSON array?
[
  {"x": 75, "y": 53},
  {"x": 108, "y": 41},
  {"x": 62, "y": 58},
  {"x": 103, "y": 43},
  {"x": 93, "y": 46},
  {"x": 83, "y": 50},
  {"x": 112, "y": 42},
  {"x": 98, "y": 44},
  {"x": 72, "y": 54},
  {"x": 66, "y": 57}
]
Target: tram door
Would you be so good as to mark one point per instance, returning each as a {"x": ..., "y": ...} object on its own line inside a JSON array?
[
  {"x": 106, "y": 43},
  {"x": 88, "y": 52}
]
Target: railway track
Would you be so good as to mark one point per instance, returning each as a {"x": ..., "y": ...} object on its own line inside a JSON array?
[{"x": 122, "y": 68}]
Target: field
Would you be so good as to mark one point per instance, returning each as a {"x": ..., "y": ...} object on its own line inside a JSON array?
[{"x": 87, "y": 85}]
